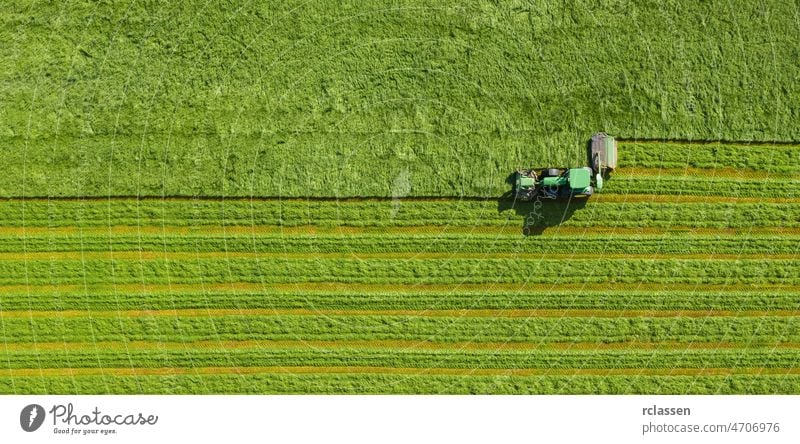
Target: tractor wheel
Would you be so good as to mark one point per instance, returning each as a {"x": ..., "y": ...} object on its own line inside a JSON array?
[{"x": 553, "y": 172}]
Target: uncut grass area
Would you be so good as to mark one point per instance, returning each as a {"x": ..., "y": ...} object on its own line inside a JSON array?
[
  {"x": 375, "y": 98},
  {"x": 309, "y": 197}
]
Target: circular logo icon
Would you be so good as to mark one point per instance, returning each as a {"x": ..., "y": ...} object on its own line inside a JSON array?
[{"x": 31, "y": 417}]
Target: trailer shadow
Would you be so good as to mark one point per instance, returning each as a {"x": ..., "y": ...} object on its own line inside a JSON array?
[{"x": 540, "y": 214}]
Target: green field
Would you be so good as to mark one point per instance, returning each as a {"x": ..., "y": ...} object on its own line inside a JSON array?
[{"x": 311, "y": 197}]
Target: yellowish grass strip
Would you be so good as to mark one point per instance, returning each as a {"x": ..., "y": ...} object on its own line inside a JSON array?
[
  {"x": 395, "y": 345},
  {"x": 713, "y": 173},
  {"x": 476, "y": 313},
  {"x": 678, "y": 198}
]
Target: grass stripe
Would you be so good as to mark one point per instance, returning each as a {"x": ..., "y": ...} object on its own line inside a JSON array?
[
  {"x": 401, "y": 384},
  {"x": 764, "y": 158},
  {"x": 159, "y": 346},
  {"x": 605, "y": 211},
  {"x": 245, "y": 202},
  {"x": 405, "y": 271},
  {"x": 445, "y": 329},
  {"x": 680, "y": 198},
  {"x": 710, "y": 172},
  {"x": 706, "y": 185},
  {"x": 404, "y": 358},
  {"x": 50, "y": 372},
  {"x": 286, "y": 232},
  {"x": 397, "y": 245},
  {"x": 552, "y": 297},
  {"x": 235, "y": 287},
  {"x": 474, "y": 313},
  {"x": 205, "y": 255}
]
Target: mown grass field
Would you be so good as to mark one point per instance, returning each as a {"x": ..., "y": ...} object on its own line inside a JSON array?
[{"x": 307, "y": 197}]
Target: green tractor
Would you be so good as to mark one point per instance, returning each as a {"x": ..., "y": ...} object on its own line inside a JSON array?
[{"x": 553, "y": 183}]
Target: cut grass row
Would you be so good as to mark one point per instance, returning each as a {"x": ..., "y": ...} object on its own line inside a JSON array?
[
  {"x": 399, "y": 271},
  {"x": 272, "y": 256},
  {"x": 190, "y": 358},
  {"x": 754, "y": 330},
  {"x": 767, "y": 158},
  {"x": 304, "y": 370},
  {"x": 278, "y": 383},
  {"x": 387, "y": 345},
  {"x": 465, "y": 313},
  {"x": 377, "y": 213},
  {"x": 552, "y": 297},
  {"x": 708, "y": 173},
  {"x": 445, "y": 243},
  {"x": 761, "y": 187},
  {"x": 389, "y": 232},
  {"x": 371, "y": 288}
]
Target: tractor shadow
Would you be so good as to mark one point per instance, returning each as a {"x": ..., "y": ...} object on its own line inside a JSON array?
[{"x": 540, "y": 214}]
